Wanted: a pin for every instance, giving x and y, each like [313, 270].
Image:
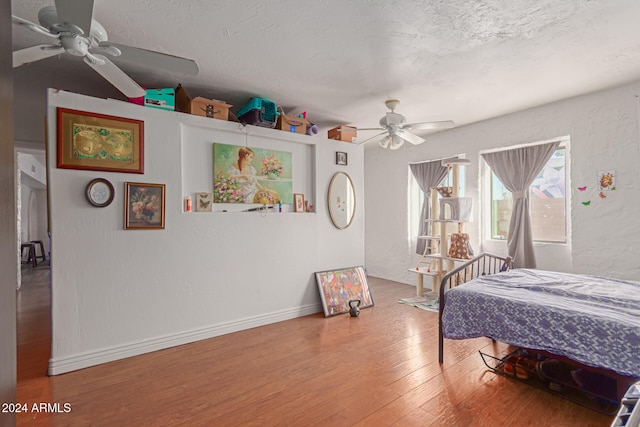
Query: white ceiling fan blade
[430, 125]
[156, 60]
[409, 137]
[116, 77]
[76, 12]
[373, 137]
[35, 53]
[363, 129]
[33, 27]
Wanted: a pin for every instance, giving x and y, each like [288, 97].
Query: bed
[590, 319]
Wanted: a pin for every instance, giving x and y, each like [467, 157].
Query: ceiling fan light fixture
[396, 142]
[384, 142]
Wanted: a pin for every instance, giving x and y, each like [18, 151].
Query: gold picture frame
[92, 141]
[298, 202]
[144, 206]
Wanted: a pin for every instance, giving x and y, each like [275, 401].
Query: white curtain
[517, 169]
[427, 175]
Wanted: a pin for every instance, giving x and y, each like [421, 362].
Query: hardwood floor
[379, 369]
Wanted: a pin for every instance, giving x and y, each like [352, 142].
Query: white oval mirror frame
[341, 200]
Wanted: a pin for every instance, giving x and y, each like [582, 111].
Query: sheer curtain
[517, 169]
[427, 175]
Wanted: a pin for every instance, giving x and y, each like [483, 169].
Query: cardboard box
[201, 106]
[164, 99]
[183, 101]
[209, 108]
[343, 133]
[292, 124]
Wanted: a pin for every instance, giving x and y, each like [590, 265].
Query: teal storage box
[259, 112]
[164, 99]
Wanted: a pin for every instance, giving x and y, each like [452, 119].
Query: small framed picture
[341, 158]
[298, 202]
[203, 202]
[144, 206]
[607, 180]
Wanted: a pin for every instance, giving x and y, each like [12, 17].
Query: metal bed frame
[481, 265]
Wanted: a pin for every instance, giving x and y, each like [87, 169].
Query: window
[416, 197]
[547, 202]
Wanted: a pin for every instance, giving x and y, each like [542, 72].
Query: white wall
[32, 183]
[118, 293]
[605, 236]
[31, 165]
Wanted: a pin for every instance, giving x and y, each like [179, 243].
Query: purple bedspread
[590, 319]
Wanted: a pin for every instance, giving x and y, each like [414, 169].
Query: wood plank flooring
[379, 369]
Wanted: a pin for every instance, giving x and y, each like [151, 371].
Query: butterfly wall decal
[582, 188]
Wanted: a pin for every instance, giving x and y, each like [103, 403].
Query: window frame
[415, 196]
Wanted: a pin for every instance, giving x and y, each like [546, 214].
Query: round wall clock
[99, 192]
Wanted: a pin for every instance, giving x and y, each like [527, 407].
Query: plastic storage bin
[259, 112]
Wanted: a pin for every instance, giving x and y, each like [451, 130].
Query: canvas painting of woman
[251, 175]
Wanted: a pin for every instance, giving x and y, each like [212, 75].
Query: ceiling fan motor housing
[75, 45]
[392, 119]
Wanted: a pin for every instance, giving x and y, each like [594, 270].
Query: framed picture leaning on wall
[298, 202]
[338, 287]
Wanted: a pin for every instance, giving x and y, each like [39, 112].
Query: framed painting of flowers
[144, 206]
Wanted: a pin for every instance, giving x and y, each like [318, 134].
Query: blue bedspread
[590, 319]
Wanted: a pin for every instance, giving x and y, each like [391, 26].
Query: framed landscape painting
[338, 287]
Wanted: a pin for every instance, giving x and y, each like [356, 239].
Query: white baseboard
[92, 358]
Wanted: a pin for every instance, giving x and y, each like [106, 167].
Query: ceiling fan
[397, 130]
[71, 23]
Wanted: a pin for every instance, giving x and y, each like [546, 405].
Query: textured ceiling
[461, 60]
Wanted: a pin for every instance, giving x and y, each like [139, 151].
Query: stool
[31, 254]
[42, 253]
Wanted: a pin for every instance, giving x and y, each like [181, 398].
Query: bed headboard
[481, 265]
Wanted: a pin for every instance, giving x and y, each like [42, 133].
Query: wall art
[204, 202]
[338, 287]
[298, 203]
[251, 175]
[144, 206]
[92, 141]
[607, 180]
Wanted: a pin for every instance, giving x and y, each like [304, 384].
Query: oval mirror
[341, 200]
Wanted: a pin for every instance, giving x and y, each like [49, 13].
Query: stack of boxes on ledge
[258, 112]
